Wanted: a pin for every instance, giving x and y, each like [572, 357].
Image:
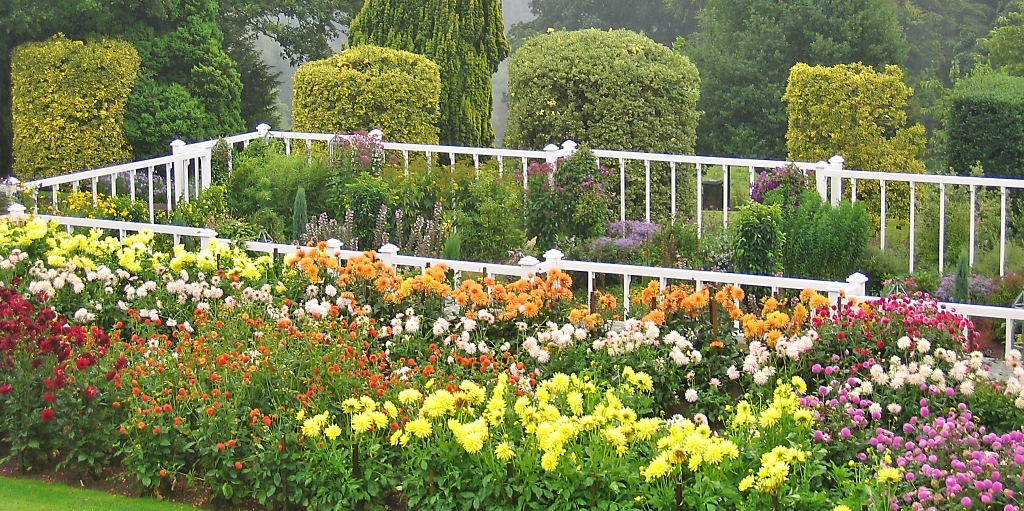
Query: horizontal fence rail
[853, 287]
[650, 186]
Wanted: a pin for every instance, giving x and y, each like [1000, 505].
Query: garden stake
[679, 496]
[508, 473]
[714, 321]
[430, 481]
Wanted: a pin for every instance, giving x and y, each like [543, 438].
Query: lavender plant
[323, 228]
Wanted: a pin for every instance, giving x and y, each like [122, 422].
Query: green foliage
[188, 88]
[746, 48]
[369, 87]
[264, 178]
[492, 202]
[758, 239]
[69, 105]
[986, 124]
[299, 214]
[466, 38]
[364, 197]
[823, 242]
[961, 290]
[880, 265]
[566, 202]
[662, 20]
[1005, 44]
[872, 134]
[620, 90]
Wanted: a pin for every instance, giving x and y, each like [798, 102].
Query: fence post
[263, 130]
[821, 179]
[387, 254]
[15, 212]
[180, 172]
[857, 284]
[569, 148]
[528, 265]
[551, 155]
[205, 237]
[553, 256]
[836, 164]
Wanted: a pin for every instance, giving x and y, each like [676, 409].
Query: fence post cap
[377, 133]
[553, 255]
[388, 249]
[551, 148]
[16, 210]
[821, 164]
[836, 160]
[570, 146]
[176, 145]
[857, 278]
[207, 233]
[529, 261]
[334, 244]
[263, 129]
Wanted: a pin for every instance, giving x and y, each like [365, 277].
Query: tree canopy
[746, 48]
[466, 38]
[661, 20]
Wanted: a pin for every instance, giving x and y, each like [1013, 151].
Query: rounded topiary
[607, 89]
[68, 103]
[369, 87]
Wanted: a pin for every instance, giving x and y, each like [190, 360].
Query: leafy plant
[759, 239]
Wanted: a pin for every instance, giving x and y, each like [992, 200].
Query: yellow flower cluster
[366, 416]
[242, 266]
[785, 403]
[81, 250]
[691, 444]
[23, 234]
[313, 426]
[774, 469]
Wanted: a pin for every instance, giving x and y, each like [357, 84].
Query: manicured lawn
[29, 495]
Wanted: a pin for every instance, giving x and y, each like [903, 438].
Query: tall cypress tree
[465, 38]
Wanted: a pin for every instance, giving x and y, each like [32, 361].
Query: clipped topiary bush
[69, 102]
[986, 124]
[608, 90]
[369, 87]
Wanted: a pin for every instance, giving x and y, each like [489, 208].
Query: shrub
[986, 124]
[759, 239]
[822, 242]
[68, 104]
[369, 87]
[265, 178]
[491, 222]
[364, 197]
[855, 111]
[608, 90]
[299, 214]
[569, 201]
[784, 185]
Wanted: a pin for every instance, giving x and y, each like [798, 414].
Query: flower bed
[318, 383]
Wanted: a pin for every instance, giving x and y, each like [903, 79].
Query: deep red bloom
[47, 415]
[91, 391]
[5, 389]
[49, 397]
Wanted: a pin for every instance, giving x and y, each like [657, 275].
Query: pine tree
[465, 38]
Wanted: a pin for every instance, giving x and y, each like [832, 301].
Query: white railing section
[188, 171]
[835, 175]
[853, 287]
[177, 177]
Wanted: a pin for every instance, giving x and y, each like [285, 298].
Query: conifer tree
[465, 38]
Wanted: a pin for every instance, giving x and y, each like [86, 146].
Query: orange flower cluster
[312, 261]
[772, 322]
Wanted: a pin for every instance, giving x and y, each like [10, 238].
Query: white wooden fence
[854, 286]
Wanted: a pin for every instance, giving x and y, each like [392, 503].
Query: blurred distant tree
[661, 20]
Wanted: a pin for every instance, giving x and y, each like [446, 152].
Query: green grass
[30, 495]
